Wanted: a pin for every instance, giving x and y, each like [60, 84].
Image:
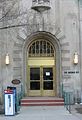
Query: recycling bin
[9, 102]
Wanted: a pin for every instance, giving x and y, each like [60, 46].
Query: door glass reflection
[34, 85]
[34, 73]
[48, 85]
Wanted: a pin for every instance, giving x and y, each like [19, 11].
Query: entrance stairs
[42, 101]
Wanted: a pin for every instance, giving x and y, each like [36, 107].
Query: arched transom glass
[41, 48]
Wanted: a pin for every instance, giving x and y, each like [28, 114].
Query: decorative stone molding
[41, 5]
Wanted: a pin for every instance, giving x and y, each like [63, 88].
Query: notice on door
[47, 73]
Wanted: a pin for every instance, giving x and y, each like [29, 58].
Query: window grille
[41, 48]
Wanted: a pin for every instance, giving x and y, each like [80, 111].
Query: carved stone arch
[55, 42]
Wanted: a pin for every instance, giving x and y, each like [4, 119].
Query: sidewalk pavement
[1, 109]
[43, 113]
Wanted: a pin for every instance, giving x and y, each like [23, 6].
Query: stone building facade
[42, 39]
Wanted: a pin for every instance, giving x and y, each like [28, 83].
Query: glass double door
[42, 81]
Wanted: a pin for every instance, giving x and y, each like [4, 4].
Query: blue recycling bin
[9, 102]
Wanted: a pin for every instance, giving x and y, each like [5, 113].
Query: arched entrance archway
[42, 61]
[41, 68]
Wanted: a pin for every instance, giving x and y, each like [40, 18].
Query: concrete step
[42, 101]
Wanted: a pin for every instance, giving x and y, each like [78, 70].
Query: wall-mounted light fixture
[7, 61]
[75, 59]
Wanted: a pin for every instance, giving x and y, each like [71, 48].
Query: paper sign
[47, 73]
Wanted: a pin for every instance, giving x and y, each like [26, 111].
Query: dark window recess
[34, 85]
[48, 85]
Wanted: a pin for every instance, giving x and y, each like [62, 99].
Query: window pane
[48, 85]
[40, 47]
[44, 46]
[48, 48]
[34, 73]
[33, 48]
[37, 47]
[34, 85]
[48, 73]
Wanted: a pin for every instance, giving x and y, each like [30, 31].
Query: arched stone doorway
[42, 65]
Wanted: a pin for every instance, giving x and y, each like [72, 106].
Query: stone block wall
[18, 21]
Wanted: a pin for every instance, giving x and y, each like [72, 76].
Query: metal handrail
[67, 101]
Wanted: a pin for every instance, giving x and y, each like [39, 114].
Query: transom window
[41, 48]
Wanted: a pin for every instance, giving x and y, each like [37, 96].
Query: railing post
[62, 91]
[69, 103]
